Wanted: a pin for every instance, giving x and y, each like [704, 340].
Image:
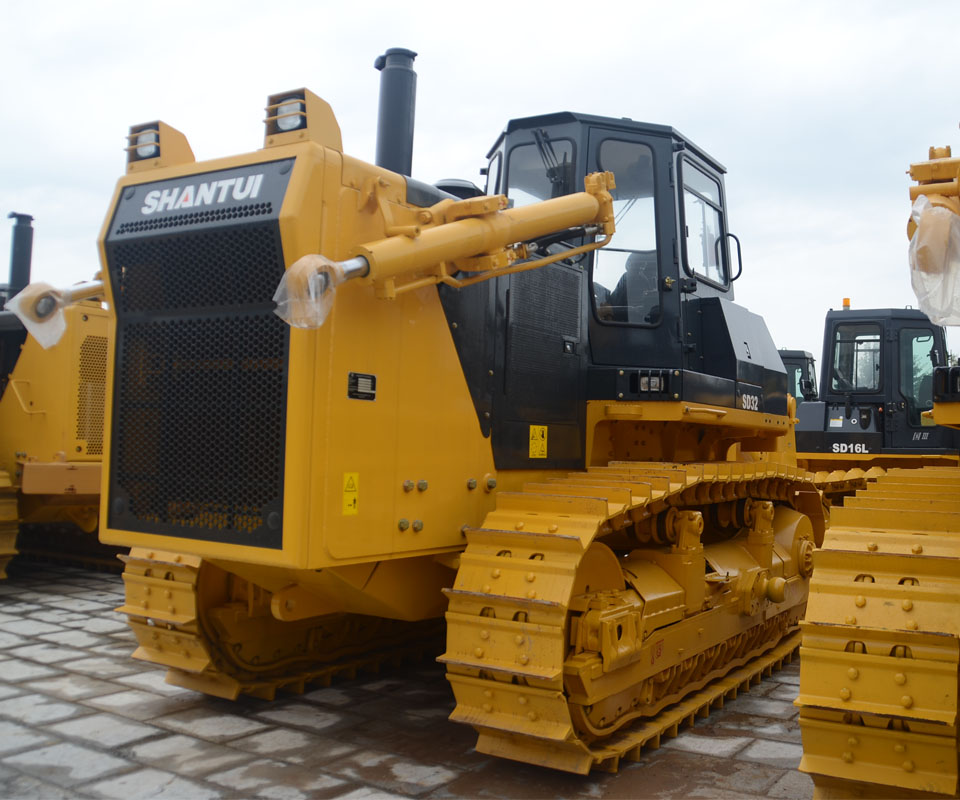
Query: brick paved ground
[80, 719]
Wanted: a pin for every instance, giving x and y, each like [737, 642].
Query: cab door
[634, 308]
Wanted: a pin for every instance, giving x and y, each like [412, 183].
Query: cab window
[625, 276]
[540, 170]
[856, 358]
[918, 356]
[703, 249]
[493, 174]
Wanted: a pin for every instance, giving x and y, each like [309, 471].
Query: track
[562, 653]
[881, 640]
[215, 633]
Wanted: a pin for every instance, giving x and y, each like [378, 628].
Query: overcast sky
[815, 108]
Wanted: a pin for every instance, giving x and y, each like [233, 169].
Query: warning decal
[351, 493]
[538, 441]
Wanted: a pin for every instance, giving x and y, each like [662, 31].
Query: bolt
[408, 486]
[472, 484]
[676, 396]
[519, 526]
[487, 693]
[900, 679]
[913, 625]
[906, 701]
[403, 524]
[553, 528]
[848, 757]
[532, 716]
[899, 748]
[908, 765]
[619, 395]
[478, 652]
[495, 573]
[907, 605]
[844, 693]
[484, 635]
[872, 546]
[854, 673]
[676, 372]
[486, 588]
[453, 325]
[417, 525]
[853, 741]
[522, 700]
[487, 707]
[490, 373]
[486, 415]
[421, 486]
[851, 620]
[518, 639]
[531, 577]
[491, 484]
[532, 595]
[524, 659]
[917, 549]
[861, 601]
[621, 373]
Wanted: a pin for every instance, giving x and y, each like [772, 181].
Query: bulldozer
[51, 425]
[801, 370]
[881, 638]
[344, 405]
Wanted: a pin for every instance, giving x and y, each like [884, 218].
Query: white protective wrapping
[935, 262]
[306, 291]
[48, 330]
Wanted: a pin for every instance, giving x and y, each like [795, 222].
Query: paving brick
[185, 755]
[776, 754]
[729, 719]
[391, 772]
[295, 747]
[137, 704]
[103, 667]
[330, 696]
[783, 691]
[151, 784]
[24, 787]
[98, 625]
[15, 670]
[20, 608]
[72, 687]
[114, 648]
[106, 730]
[279, 781]
[47, 653]
[8, 691]
[8, 617]
[302, 715]
[10, 640]
[66, 764]
[76, 604]
[73, 638]
[29, 627]
[368, 793]
[765, 707]
[720, 746]
[210, 725]
[15, 737]
[35, 709]
[57, 616]
[155, 681]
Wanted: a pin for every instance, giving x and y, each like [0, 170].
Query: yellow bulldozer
[881, 639]
[344, 404]
[51, 425]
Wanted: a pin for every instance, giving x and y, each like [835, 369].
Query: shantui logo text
[206, 194]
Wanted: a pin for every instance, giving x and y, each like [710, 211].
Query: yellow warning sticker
[538, 441]
[351, 493]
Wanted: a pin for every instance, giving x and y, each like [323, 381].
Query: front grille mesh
[200, 390]
[90, 393]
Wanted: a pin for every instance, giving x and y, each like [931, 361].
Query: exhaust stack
[398, 100]
[21, 252]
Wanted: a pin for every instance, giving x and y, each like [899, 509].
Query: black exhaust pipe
[398, 100]
[21, 252]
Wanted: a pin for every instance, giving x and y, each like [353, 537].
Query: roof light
[846, 303]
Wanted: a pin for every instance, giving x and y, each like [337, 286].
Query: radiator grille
[199, 418]
[91, 384]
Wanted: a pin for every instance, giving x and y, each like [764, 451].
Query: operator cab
[876, 381]
[650, 317]
[801, 374]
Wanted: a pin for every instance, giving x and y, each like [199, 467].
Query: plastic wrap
[307, 290]
[935, 262]
[40, 308]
